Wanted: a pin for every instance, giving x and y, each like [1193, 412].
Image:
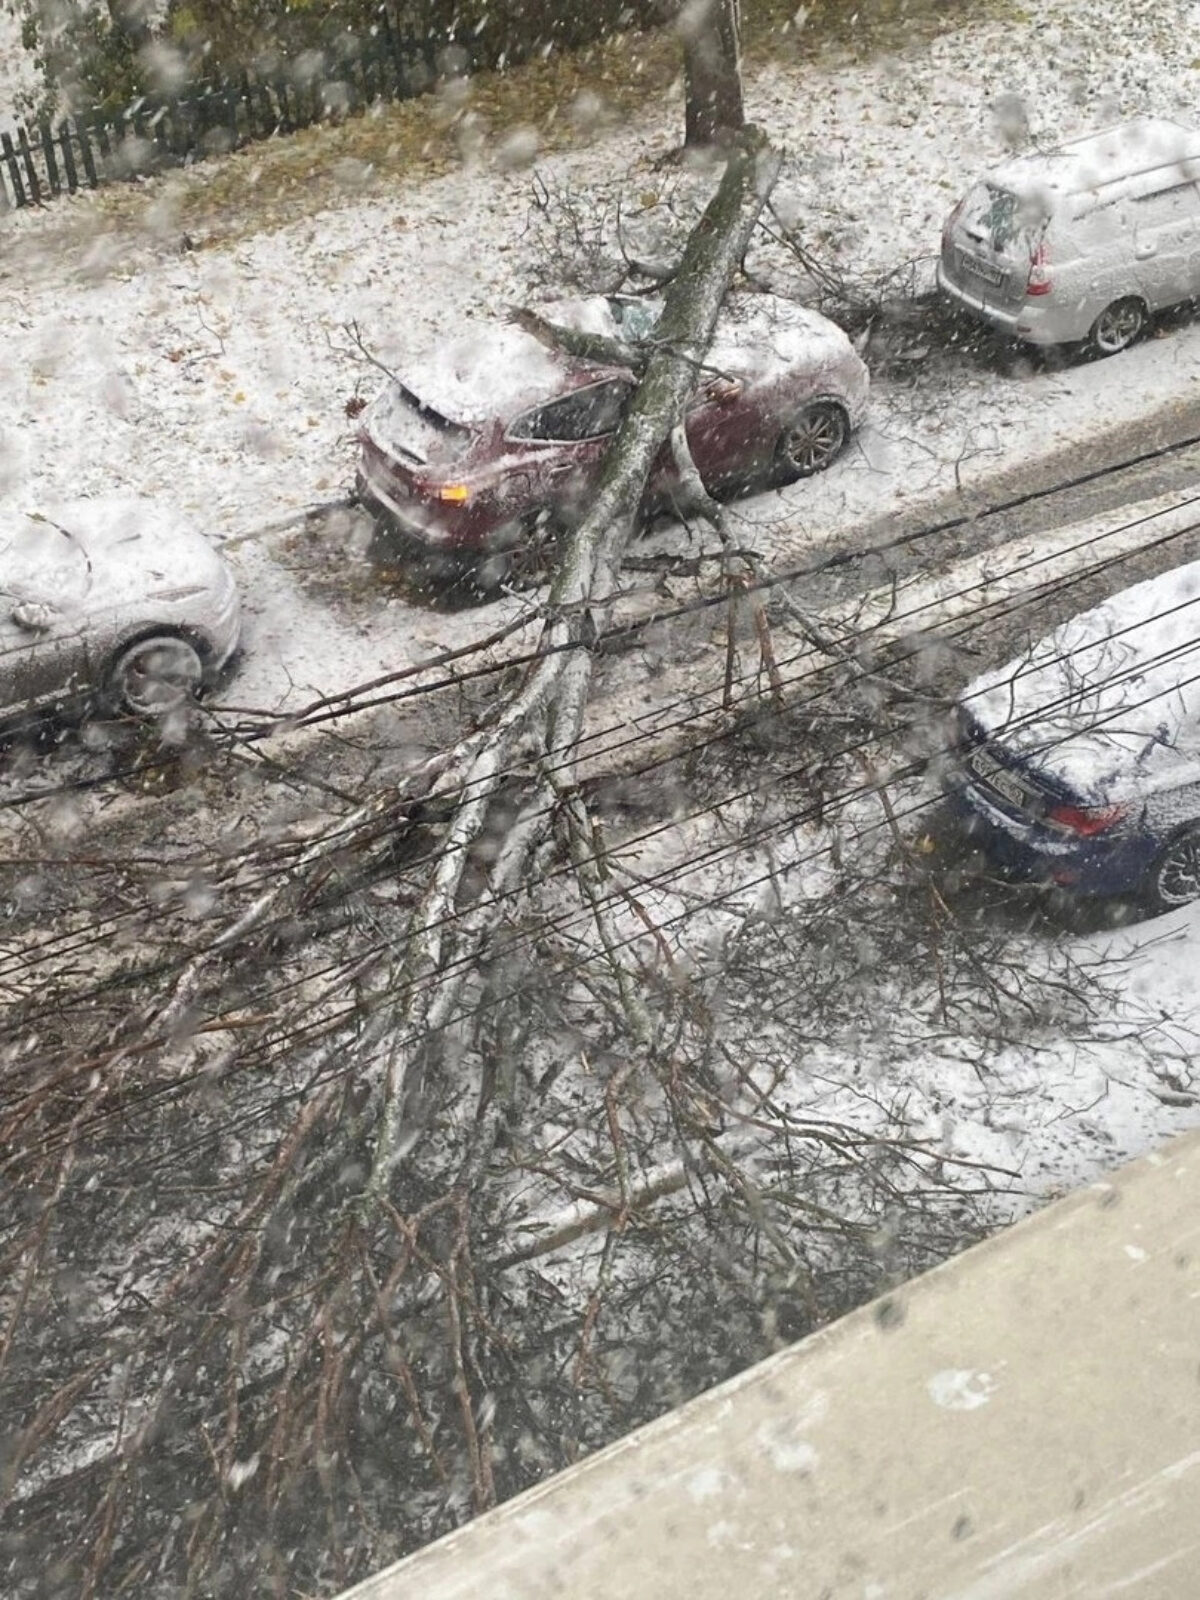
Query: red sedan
[497, 437]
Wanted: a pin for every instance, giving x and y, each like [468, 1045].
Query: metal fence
[42, 158]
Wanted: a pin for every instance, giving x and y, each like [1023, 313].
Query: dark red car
[498, 435]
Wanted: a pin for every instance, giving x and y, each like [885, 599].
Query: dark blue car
[1079, 763]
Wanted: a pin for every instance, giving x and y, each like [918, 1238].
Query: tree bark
[712, 72]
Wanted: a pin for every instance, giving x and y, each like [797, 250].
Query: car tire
[155, 676]
[1118, 326]
[814, 439]
[527, 562]
[1174, 879]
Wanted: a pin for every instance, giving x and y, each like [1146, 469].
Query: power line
[335, 707]
[814, 669]
[813, 811]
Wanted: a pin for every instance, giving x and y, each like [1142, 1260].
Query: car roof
[1102, 697]
[1109, 159]
[756, 334]
[492, 371]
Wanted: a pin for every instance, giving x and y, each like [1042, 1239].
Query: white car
[1084, 241]
[109, 604]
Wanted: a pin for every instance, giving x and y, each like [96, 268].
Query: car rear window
[635, 319]
[1002, 218]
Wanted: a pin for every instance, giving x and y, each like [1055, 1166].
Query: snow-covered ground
[217, 381]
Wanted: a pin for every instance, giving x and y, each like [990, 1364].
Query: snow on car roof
[755, 333]
[1110, 701]
[490, 371]
[759, 334]
[1108, 156]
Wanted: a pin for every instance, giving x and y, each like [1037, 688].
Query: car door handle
[1144, 251]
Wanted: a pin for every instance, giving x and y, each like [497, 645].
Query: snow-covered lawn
[217, 380]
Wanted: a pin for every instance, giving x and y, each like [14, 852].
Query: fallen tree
[547, 712]
[334, 1179]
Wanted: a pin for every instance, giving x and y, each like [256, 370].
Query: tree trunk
[712, 72]
[547, 712]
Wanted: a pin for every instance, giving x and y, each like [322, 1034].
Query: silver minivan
[1081, 242]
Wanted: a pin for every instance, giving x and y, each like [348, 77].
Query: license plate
[981, 269]
[994, 775]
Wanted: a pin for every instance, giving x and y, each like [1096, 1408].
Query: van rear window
[1001, 218]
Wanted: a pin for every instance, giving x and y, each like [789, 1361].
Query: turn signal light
[455, 494]
[1086, 820]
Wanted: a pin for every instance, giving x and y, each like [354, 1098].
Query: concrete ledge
[1022, 1422]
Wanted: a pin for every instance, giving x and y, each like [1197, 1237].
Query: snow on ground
[1099, 1080]
[217, 380]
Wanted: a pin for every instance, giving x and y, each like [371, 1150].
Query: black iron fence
[42, 158]
[401, 56]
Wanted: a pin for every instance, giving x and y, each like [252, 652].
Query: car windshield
[1002, 218]
[43, 561]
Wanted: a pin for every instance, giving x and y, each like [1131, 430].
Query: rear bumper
[1031, 321]
[1106, 864]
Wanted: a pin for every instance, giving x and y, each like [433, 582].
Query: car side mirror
[35, 616]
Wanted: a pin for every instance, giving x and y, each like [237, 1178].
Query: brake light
[1038, 281]
[1086, 820]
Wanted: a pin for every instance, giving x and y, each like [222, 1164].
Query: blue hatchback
[1079, 763]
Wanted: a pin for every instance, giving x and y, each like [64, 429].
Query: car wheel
[1175, 877]
[155, 676]
[1117, 326]
[816, 436]
[527, 562]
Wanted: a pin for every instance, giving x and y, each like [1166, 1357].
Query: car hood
[87, 554]
[1109, 704]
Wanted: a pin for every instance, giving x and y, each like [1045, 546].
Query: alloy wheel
[157, 676]
[814, 439]
[1177, 880]
[1118, 326]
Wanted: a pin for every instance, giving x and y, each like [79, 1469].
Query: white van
[1082, 242]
